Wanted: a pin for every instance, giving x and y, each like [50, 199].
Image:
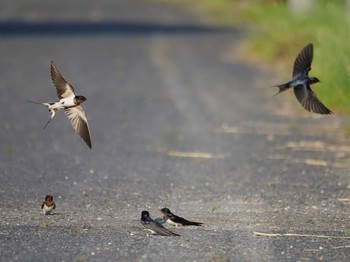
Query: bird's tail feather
[282, 88]
[52, 114]
[30, 101]
[39, 103]
[52, 111]
[47, 123]
[190, 223]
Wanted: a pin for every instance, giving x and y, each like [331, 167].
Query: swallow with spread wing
[70, 103]
[301, 83]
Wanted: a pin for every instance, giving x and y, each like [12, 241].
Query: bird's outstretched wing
[79, 122]
[302, 64]
[63, 88]
[308, 99]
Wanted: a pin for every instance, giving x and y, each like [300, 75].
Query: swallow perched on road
[174, 220]
[154, 226]
[70, 103]
[48, 205]
[301, 83]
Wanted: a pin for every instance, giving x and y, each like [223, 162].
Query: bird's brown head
[49, 198]
[166, 212]
[79, 99]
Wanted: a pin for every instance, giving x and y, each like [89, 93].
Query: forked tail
[52, 111]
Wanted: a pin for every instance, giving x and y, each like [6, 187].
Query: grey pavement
[175, 122]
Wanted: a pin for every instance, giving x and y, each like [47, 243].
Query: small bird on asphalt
[49, 205]
[174, 220]
[70, 103]
[153, 226]
[301, 83]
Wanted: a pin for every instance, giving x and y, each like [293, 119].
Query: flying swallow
[301, 83]
[70, 103]
[154, 226]
[174, 220]
[48, 205]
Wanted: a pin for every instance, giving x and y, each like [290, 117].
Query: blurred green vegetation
[281, 34]
[276, 34]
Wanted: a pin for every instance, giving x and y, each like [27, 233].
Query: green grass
[277, 35]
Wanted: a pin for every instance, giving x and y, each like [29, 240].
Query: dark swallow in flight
[49, 205]
[70, 103]
[174, 220]
[153, 226]
[301, 83]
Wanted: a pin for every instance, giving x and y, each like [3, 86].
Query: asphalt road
[175, 122]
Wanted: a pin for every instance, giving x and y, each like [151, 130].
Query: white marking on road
[196, 155]
[298, 235]
[309, 161]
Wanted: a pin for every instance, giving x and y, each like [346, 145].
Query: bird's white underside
[47, 210]
[172, 223]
